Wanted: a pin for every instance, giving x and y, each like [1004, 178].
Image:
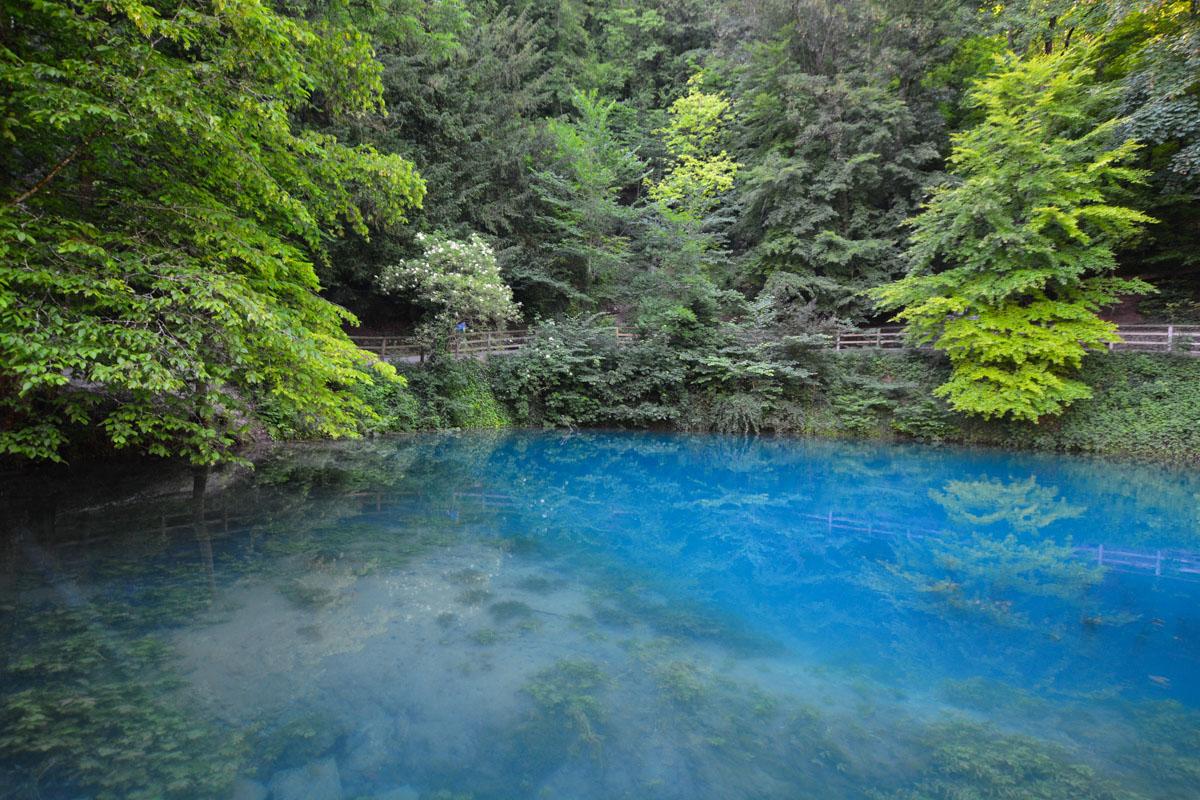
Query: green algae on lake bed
[682, 617]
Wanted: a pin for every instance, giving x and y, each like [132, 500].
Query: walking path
[1183, 339]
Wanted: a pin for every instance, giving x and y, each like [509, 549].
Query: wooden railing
[1159, 562]
[471, 344]
[1183, 339]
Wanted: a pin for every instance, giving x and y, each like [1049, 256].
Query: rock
[246, 789]
[318, 780]
[371, 747]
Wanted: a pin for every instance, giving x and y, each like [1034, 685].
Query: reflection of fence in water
[1162, 563]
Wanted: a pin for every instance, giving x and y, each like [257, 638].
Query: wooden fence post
[383, 348]
[1170, 336]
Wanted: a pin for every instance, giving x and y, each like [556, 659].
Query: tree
[579, 249]
[456, 282]
[160, 218]
[1009, 265]
[838, 164]
[465, 94]
[700, 170]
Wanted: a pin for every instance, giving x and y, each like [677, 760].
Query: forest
[201, 202]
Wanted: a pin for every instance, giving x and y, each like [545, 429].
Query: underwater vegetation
[474, 597]
[537, 584]
[626, 606]
[1165, 745]
[567, 708]
[716, 637]
[509, 610]
[968, 761]
[305, 596]
[101, 713]
[486, 637]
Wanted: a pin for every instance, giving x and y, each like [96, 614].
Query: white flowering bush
[455, 281]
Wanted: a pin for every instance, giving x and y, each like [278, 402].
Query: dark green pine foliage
[577, 252]
[839, 165]
[465, 94]
[1161, 101]
[839, 144]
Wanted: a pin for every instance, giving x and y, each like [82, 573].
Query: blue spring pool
[605, 615]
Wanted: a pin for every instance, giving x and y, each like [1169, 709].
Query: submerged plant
[968, 761]
[83, 708]
[509, 610]
[486, 637]
[682, 682]
[567, 704]
[474, 597]
[305, 596]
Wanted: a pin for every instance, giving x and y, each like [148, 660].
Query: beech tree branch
[57, 168]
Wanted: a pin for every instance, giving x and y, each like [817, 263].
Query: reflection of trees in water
[1002, 579]
[639, 513]
[1024, 505]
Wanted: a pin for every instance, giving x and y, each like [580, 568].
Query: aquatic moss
[474, 597]
[628, 607]
[302, 595]
[537, 584]
[82, 708]
[567, 703]
[735, 734]
[295, 739]
[509, 610]
[968, 761]
[1166, 747]
[683, 682]
[486, 637]
[467, 577]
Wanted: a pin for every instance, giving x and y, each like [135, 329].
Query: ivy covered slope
[163, 212]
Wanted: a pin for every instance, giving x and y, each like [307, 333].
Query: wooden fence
[1183, 339]
[471, 344]
[1158, 563]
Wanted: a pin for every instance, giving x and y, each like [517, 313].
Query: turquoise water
[547, 615]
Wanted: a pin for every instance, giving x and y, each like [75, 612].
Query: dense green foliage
[192, 196]
[162, 212]
[1143, 405]
[1011, 264]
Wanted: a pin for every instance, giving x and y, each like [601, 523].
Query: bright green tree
[1011, 262]
[161, 211]
[700, 170]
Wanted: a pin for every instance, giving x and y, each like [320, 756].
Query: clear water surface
[605, 615]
